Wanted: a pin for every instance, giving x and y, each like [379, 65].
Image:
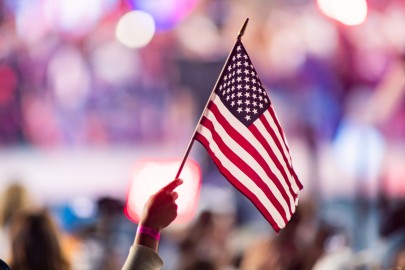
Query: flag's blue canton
[240, 88]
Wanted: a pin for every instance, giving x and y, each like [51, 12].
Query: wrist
[150, 224]
[146, 240]
[149, 231]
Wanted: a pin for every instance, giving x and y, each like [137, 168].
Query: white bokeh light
[70, 88]
[114, 63]
[75, 16]
[83, 207]
[348, 12]
[135, 29]
[151, 175]
[359, 149]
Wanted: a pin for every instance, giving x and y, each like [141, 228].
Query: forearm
[142, 258]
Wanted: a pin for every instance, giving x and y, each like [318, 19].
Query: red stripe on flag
[267, 146]
[273, 157]
[276, 140]
[245, 168]
[281, 132]
[245, 144]
[252, 197]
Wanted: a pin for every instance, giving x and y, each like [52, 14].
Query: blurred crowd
[338, 90]
[218, 238]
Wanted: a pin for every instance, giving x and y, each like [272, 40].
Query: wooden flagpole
[190, 144]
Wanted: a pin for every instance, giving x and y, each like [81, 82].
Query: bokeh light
[75, 16]
[203, 42]
[36, 18]
[166, 13]
[114, 64]
[8, 83]
[83, 207]
[135, 29]
[348, 12]
[30, 20]
[150, 176]
[70, 88]
[359, 149]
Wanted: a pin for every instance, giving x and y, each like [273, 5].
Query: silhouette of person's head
[3, 265]
[35, 243]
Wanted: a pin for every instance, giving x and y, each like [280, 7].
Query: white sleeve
[142, 258]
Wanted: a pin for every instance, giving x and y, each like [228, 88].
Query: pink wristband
[149, 231]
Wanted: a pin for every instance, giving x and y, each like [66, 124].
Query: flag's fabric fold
[243, 136]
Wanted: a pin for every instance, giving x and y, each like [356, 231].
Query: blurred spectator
[14, 200]
[297, 247]
[392, 228]
[394, 221]
[35, 243]
[3, 265]
[206, 242]
[201, 265]
[103, 244]
[107, 234]
[264, 254]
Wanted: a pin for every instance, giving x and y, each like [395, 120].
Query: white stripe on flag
[251, 162]
[242, 177]
[245, 132]
[283, 143]
[277, 151]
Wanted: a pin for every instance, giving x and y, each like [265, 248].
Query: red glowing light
[348, 12]
[149, 176]
[8, 83]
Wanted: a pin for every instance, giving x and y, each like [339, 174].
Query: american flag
[243, 136]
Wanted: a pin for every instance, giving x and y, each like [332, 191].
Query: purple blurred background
[90, 88]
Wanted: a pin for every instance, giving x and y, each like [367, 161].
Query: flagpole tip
[242, 30]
